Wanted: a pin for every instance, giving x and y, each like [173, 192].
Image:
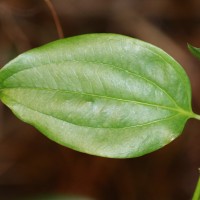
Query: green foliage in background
[103, 94]
[194, 50]
[196, 195]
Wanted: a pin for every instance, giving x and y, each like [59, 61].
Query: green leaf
[103, 94]
[194, 50]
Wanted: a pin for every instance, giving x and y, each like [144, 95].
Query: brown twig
[56, 18]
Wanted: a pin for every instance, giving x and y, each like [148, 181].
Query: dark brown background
[31, 164]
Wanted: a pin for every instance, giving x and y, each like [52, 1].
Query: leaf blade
[100, 88]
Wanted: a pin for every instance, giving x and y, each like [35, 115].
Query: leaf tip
[194, 50]
[189, 46]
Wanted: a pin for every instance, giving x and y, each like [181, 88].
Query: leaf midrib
[126, 127]
[176, 109]
[101, 63]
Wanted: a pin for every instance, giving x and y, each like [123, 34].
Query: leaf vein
[134, 126]
[107, 64]
[103, 96]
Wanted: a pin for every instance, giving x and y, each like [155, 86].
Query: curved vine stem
[196, 195]
[56, 18]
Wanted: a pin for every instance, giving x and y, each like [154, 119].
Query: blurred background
[31, 165]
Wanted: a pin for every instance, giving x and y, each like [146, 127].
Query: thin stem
[196, 195]
[56, 18]
[1, 120]
[197, 116]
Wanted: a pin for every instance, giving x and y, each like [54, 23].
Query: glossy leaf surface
[103, 94]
